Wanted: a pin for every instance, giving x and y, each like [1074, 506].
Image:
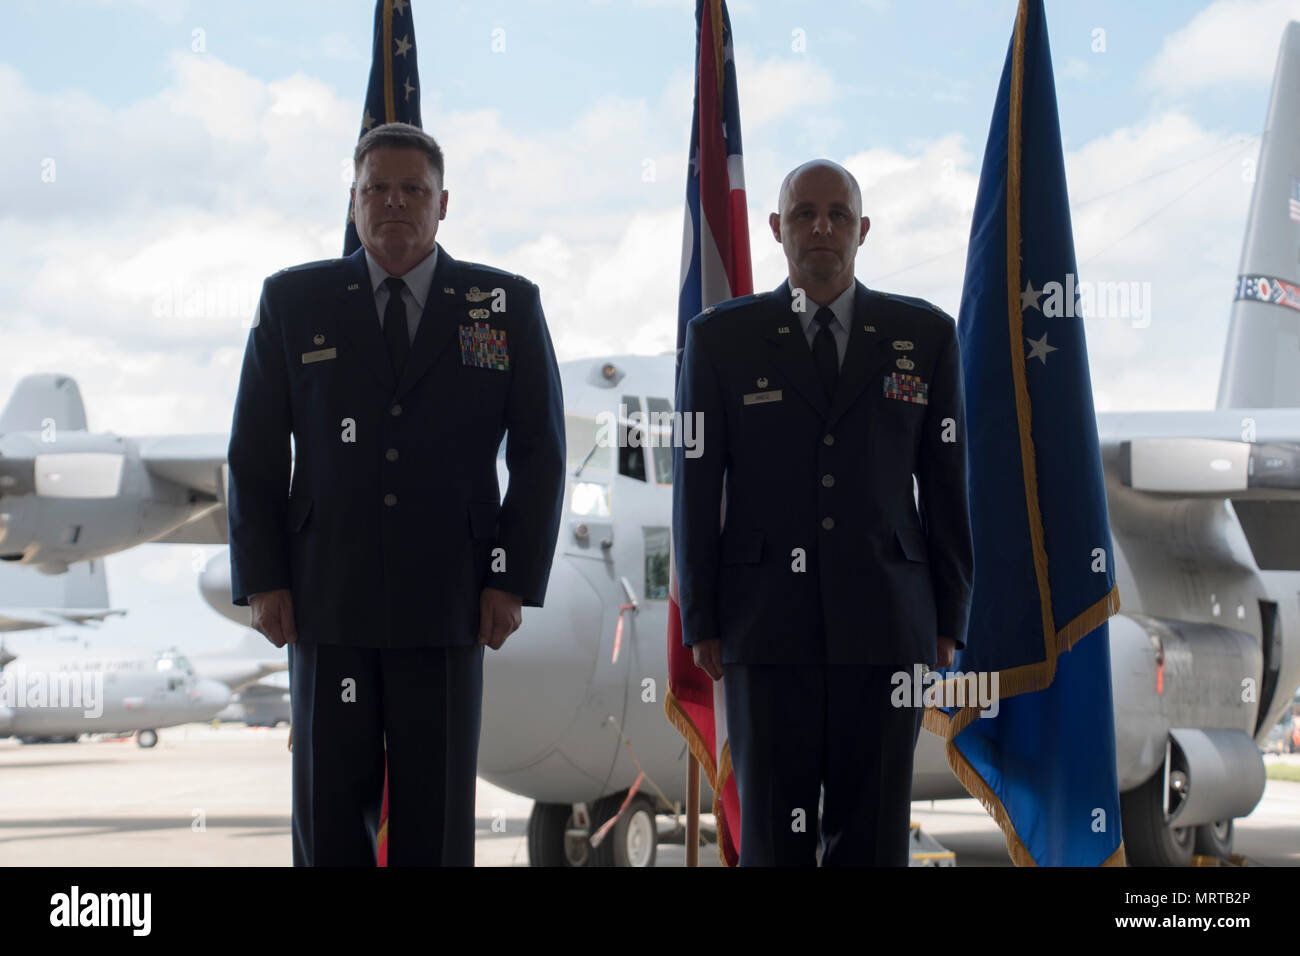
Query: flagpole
[692, 811]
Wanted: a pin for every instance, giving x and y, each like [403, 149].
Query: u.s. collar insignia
[353, 287]
[474, 295]
[868, 328]
[902, 345]
[905, 364]
[783, 330]
[479, 313]
[448, 290]
[761, 383]
[318, 339]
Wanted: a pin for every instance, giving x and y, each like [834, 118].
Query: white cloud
[1229, 42]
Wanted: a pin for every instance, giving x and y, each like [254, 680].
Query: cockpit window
[585, 441]
[631, 438]
[660, 422]
[656, 563]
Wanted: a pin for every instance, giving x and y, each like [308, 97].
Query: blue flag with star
[1042, 758]
[393, 93]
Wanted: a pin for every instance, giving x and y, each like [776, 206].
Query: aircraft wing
[1250, 457]
[197, 462]
[30, 618]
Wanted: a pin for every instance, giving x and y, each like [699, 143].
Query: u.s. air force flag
[1044, 766]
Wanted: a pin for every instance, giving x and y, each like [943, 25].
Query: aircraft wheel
[634, 839]
[549, 840]
[1215, 839]
[146, 738]
[1148, 840]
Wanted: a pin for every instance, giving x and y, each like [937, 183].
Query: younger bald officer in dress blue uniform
[390, 562]
[818, 404]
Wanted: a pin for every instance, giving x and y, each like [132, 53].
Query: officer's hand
[273, 616]
[708, 657]
[499, 616]
[947, 652]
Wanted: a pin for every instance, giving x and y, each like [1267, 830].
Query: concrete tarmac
[220, 797]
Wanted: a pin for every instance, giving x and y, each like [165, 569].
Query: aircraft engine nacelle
[1186, 699]
[214, 585]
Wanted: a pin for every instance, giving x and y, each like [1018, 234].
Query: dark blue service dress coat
[884, 572]
[393, 522]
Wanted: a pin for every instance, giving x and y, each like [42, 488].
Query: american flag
[715, 267]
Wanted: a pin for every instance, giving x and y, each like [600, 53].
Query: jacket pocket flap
[299, 509]
[913, 544]
[483, 518]
[742, 547]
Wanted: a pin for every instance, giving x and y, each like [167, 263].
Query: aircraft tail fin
[1261, 363]
[41, 397]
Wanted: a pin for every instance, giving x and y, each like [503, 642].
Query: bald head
[787, 184]
[820, 227]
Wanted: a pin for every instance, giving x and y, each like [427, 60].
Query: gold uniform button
[390, 499]
[828, 439]
[828, 480]
[828, 523]
[391, 454]
[396, 410]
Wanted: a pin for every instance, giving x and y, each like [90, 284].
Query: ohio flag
[715, 267]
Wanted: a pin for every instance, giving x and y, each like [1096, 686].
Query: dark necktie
[395, 332]
[825, 357]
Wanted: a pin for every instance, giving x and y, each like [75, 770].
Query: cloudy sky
[157, 147]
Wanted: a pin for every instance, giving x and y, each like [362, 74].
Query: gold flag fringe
[700, 750]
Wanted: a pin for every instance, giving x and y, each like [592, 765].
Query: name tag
[757, 398]
[320, 355]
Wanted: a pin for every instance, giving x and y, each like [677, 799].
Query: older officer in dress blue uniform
[390, 562]
[820, 402]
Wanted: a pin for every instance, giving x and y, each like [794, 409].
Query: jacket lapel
[437, 327]
[360, 326]
[868, 352]
[790, 348]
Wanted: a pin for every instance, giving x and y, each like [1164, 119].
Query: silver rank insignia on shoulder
[905, 364]
[902, 345]
[868, 328]
[761, 383]
[474, 295]
[318, 339]
[709, 310]
[353, 287]
[479, 313]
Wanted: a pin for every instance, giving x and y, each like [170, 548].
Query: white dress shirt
[843, 309]
[417, 279]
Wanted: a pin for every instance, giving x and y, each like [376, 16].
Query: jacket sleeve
[941, 480]
[258, 458]
[697, 490]
[535, 456]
